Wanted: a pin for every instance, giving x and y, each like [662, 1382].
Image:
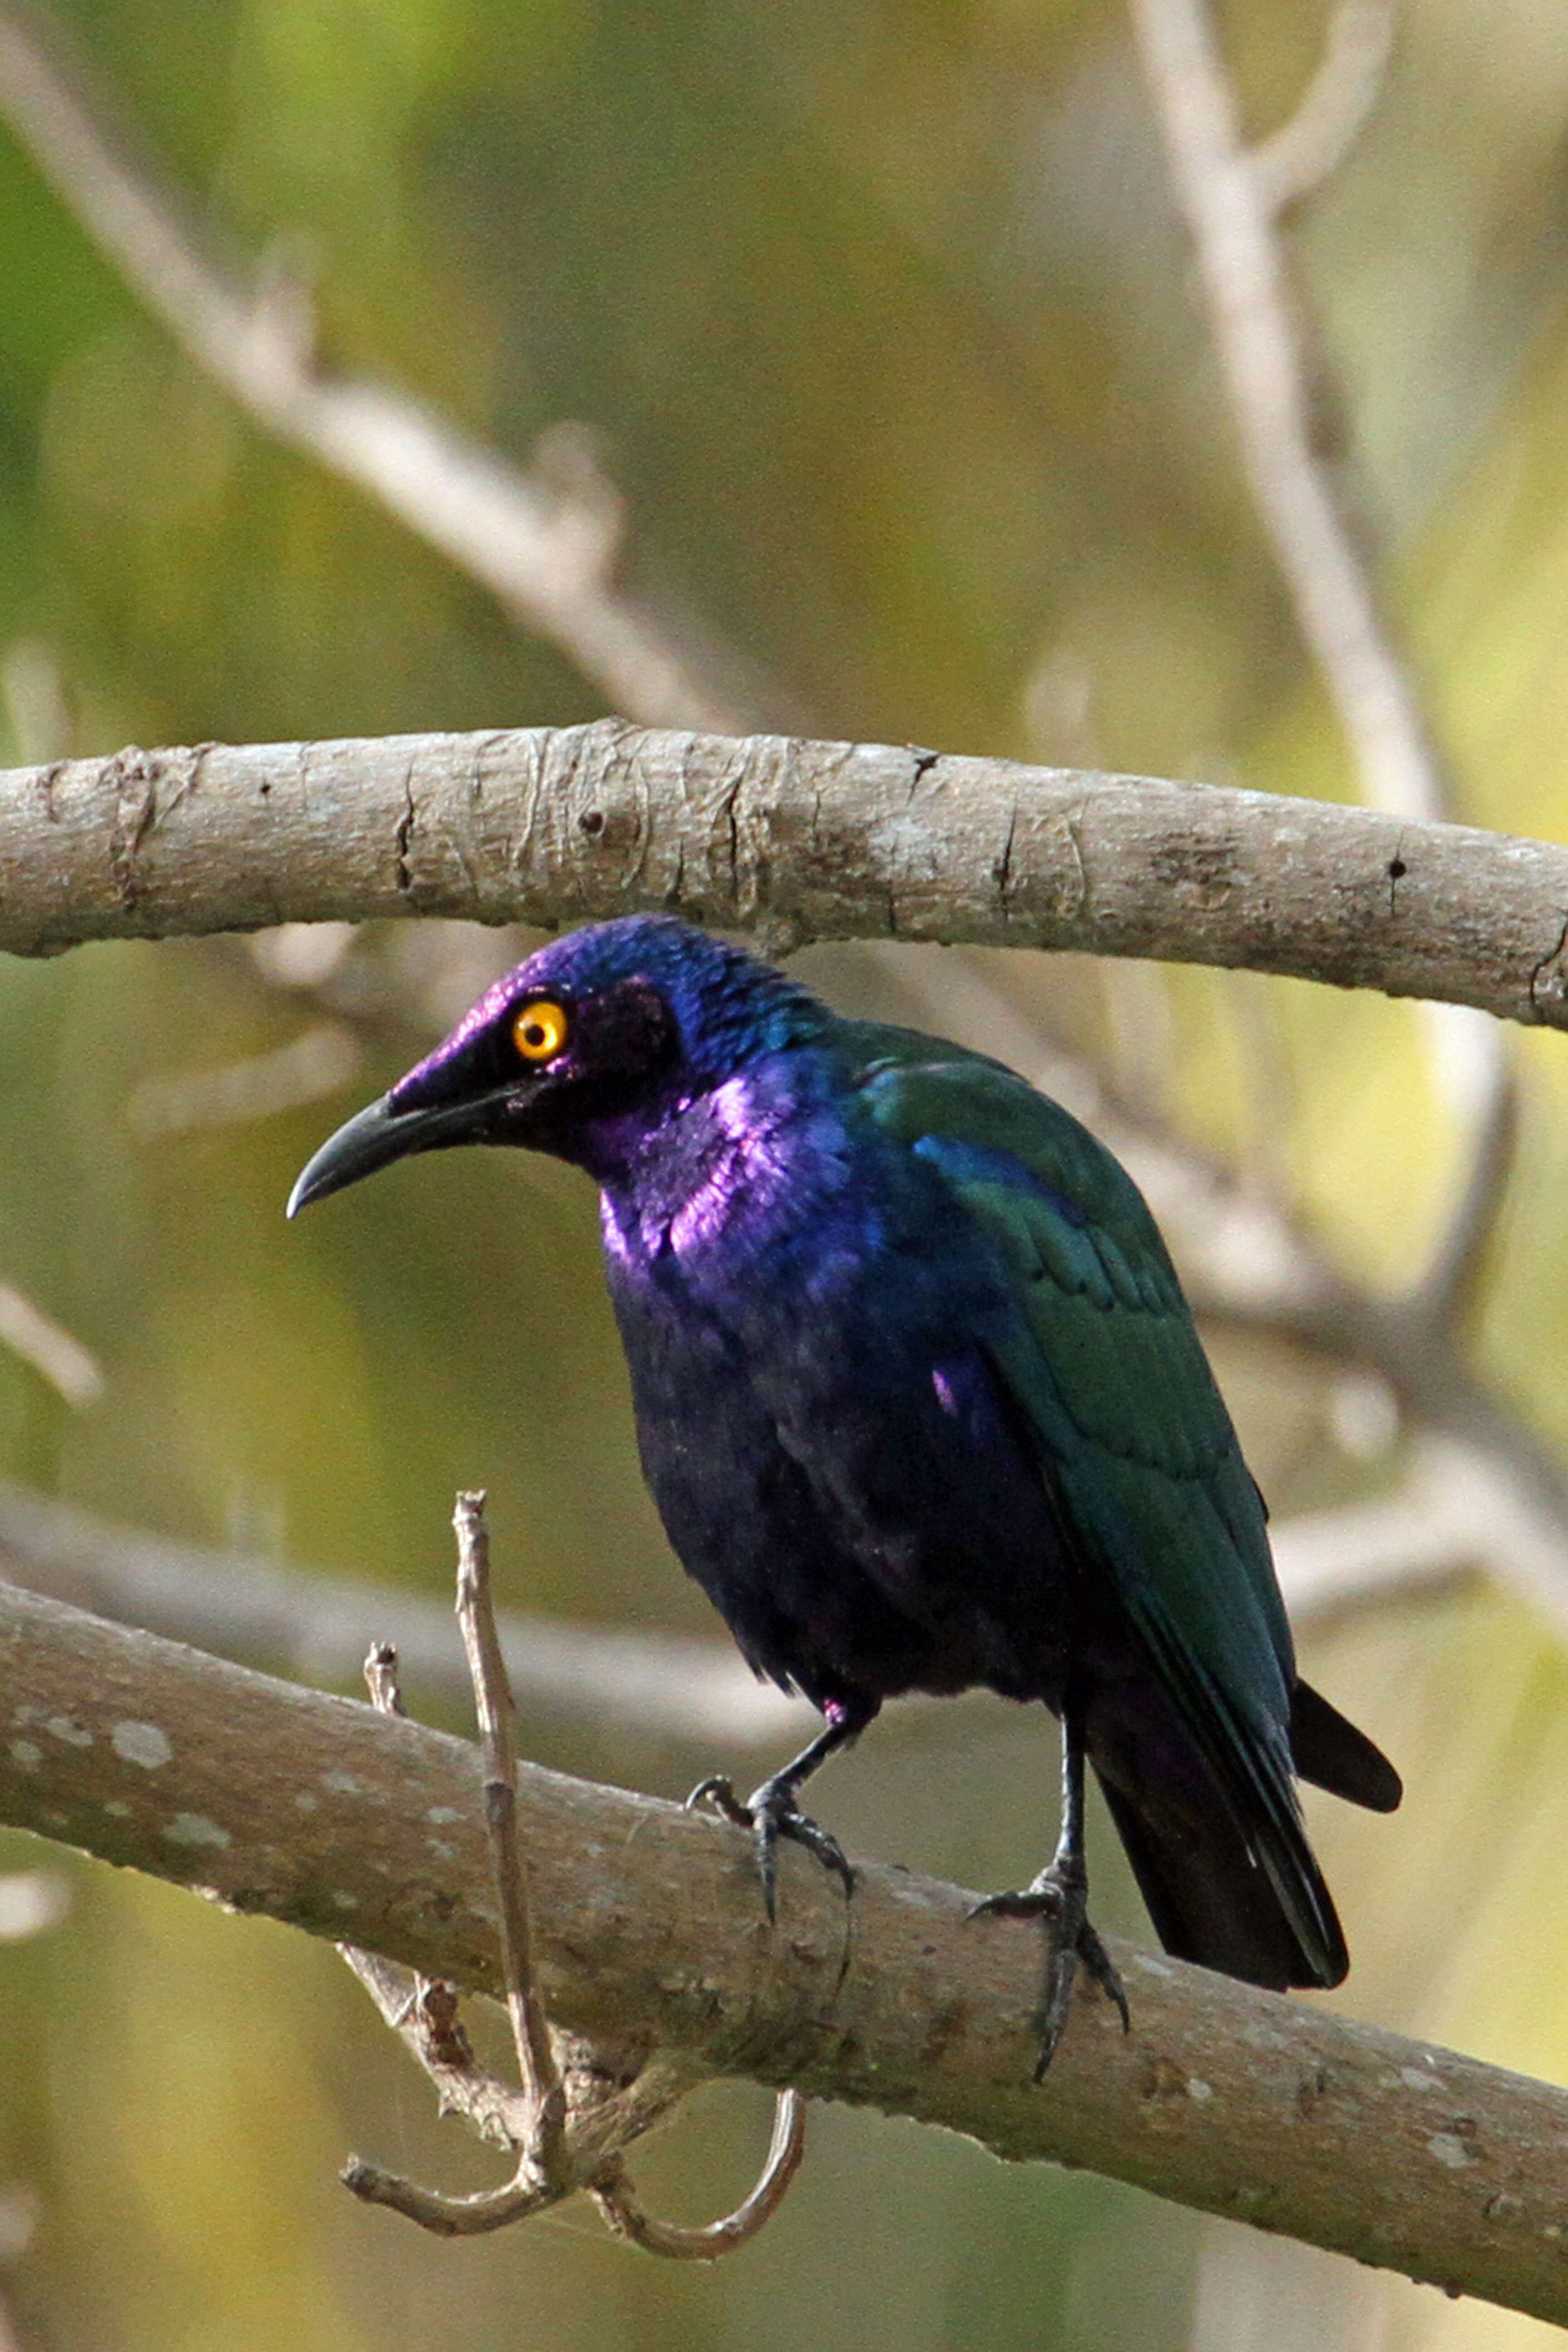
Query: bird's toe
[775, 1815]
[718, 1791]
[770, 1814]
[1040, 1901]
[1104, 1971]
[1060, 1899]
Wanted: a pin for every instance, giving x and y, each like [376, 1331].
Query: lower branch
[327, 1815]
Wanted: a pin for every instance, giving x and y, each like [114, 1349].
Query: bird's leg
[1059, 1895]
[771, 1813]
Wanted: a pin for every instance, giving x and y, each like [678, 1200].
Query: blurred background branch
[1229, 206]
[1488, 1480]
[315, 1626]
[1293, 162]
[69, 1368]
[545, 540]
[1447, 1519]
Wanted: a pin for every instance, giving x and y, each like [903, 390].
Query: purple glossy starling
[922, 1409]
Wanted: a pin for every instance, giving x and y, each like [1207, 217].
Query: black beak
[378, 1135]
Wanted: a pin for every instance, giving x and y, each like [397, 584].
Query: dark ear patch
[627, 1032]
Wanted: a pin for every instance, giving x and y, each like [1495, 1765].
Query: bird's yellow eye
[539, 1032]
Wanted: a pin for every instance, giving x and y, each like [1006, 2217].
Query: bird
[922, 1408]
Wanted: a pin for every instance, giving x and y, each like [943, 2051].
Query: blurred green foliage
[882, 312]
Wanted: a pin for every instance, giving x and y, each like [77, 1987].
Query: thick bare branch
[331, 1817]
[791, 839]
[544, 541]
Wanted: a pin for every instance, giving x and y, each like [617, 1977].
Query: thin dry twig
[72, 1370]
[569, 2125]
[537, 2130]
[544, 542]
[498, 1719]
[424, 2009]
[613, 2195]
[1310, 148]
[1242, 268]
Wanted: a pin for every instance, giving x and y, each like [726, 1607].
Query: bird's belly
[865, 1524]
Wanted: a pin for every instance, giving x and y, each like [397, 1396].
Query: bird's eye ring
[539, 1030]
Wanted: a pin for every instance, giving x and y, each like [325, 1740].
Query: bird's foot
[770, 1813]
[1060, 1897]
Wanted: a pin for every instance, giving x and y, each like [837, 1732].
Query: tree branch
[658, 1685]
[1228, 207]
[336, 1819]
[1230, 199]
[795, 840]
[1307, 149]
[544, 542]
[70, 1369]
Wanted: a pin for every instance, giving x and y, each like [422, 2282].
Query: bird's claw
[1061, 1899]
[718, 1791]
[770, 1814]
[784, 1818]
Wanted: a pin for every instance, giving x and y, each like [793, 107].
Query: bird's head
[599, 1035]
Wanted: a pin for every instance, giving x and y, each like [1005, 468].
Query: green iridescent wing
[1133, 1437]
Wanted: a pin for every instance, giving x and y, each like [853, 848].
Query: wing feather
[1134, 1437]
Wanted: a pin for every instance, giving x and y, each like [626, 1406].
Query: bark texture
[324, 1814]
[792, 840]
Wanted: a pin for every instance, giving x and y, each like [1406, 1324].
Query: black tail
[1333, 1755]
[1251, 1901]
[1213, 1899]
